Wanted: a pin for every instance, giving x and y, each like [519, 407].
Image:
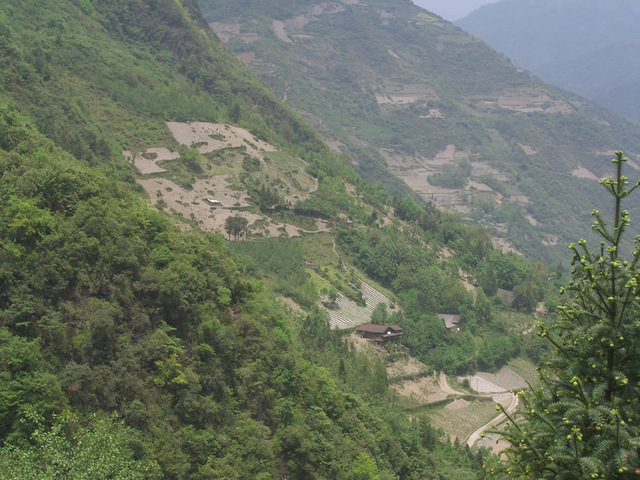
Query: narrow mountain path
[444, 386]
[499, 398]
[473, 438]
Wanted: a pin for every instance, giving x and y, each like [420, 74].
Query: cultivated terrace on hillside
[401, 90]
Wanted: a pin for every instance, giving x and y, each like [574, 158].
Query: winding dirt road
[444, 386]
[473, 438]
[511, 408]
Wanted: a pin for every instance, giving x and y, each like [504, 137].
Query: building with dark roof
[450, 321]
[380, 334]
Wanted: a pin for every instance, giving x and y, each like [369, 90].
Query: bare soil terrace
[229, 195]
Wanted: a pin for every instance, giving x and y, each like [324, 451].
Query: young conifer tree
[584, 422]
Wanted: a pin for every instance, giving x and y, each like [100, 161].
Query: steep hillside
[402, 91]
[160, 65]
[172, 236]
[590, 48]
[134, 344]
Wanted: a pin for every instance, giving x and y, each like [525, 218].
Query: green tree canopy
[235, 226]
[584, 422]
[101, 450]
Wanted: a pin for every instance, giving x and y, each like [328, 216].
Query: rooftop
[381, 329]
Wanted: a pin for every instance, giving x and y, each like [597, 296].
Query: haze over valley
[452, 10]
[590, 48]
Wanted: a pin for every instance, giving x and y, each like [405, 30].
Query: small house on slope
[450, 321]
[381, 334]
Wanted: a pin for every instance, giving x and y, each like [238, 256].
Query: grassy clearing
[526, 369]
[464, 421]
[319, 250]
[285, 173]
[513, 320]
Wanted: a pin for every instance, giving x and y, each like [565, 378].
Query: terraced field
[348, 314]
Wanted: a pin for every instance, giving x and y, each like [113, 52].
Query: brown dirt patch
[225, 31]
[147, 162]
[389, 99]
[527, 149]
[521, 102]
[191, 204]
[483, 168]
[279, 30]
[522, 199]
[214, 136]
[362, 345]
[505, 246]
[552, 241]
[466, 281]
[503, 381]
[416, 178]
[445, 253]
[480, 187]
[531, 220]
[424, 390]
[445, 157]
[405, 367]
[433, 113]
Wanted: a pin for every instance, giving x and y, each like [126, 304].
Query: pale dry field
[191, 204]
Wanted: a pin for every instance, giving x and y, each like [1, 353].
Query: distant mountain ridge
[449, 10]
[590, 48]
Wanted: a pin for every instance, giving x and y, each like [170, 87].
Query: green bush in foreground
[584, 421]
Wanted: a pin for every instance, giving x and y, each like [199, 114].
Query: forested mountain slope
[134, 344]
[139, 340]
[590, 48]
[401, 90]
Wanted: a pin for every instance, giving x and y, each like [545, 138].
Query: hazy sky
[452, 9]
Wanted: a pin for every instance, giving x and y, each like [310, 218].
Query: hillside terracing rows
[348, 314]
[218, 194]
